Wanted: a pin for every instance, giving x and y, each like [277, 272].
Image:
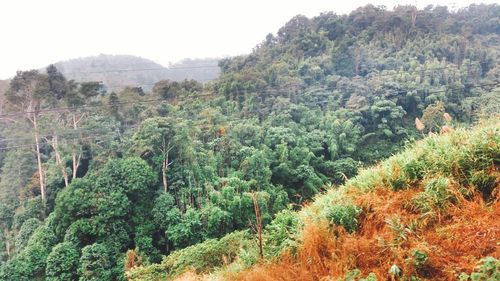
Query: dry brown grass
[469, 231]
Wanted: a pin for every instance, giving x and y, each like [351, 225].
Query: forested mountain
[119, 71]
[94, 183]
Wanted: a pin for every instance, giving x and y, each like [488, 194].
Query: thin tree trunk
[165, 164]
[413, 17]
[164, 175]
[59, 162]
[76, 158]
[258, 224]
[76, 162]
[39, 158]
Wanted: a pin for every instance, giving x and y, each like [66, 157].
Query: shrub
[488, 269]
[437, 196]
[419, 258]
[355, 275]
[344, 215]
[484, 183]
[201, 257]
[281, 233]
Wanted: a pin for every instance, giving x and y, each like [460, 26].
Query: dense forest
[94, 182]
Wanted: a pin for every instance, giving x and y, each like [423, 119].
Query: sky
[35, 33]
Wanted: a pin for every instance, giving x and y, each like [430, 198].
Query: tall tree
[27, 96]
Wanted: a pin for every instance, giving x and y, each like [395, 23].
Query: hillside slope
[185, 172]
[118, 71]
[377, 68]
[428, 213]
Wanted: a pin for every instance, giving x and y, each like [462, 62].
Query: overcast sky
[36, 33]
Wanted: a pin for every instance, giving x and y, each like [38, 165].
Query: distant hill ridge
[119, 71]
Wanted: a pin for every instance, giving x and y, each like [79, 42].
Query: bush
[344, 215]
[437, 196]
[484, 183]
[488, 269]
[419, 258]
[201, 257]
[281, 233]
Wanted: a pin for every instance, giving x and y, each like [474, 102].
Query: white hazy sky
[35, 33]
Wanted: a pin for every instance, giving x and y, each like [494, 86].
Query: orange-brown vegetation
[132, 260]
[390, 232]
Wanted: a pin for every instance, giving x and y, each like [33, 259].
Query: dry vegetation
[450, 246]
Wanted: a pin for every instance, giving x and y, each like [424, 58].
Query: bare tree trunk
[76, 162]
[164, 175]
[39, 158]
[413, 16]
[59, 162]
[76, 158]
[258, 224]
[165, 164]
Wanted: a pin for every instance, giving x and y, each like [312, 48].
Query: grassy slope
[429, 212]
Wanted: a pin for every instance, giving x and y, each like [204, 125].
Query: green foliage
[171, 90]
[165, 213]
[32, 208]
[437, 196]
[355, 275]
[488, 269]
[30, 263]
[344, 215]
[217, 220]
[419, 258]
[62, 262]
[426, 163]
[281, 234]
[27, 229]
[201, 257]
[38, 248]
[483, 182]
[95, 263]
[370, 277]
[340, 170]
[303, 111]
[188, 231]
[433, 116]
